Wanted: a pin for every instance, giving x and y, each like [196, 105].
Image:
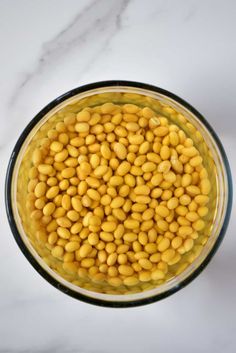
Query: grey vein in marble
[100, 20]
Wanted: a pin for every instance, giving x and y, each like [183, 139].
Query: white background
[51, 46]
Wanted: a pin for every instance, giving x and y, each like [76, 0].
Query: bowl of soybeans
[118, 193]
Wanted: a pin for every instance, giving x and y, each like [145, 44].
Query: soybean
[118, 194]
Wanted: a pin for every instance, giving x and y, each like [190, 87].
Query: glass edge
[22, 246]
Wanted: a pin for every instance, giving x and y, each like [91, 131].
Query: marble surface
[51, 46]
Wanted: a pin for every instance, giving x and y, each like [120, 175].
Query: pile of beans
[119, 194]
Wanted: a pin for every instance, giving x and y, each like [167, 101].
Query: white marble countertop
[51, 46]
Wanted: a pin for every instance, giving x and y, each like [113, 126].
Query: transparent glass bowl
[184, 115]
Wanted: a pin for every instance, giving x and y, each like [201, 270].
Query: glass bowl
[182, 114]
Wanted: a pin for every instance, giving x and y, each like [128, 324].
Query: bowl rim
[23, 247]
